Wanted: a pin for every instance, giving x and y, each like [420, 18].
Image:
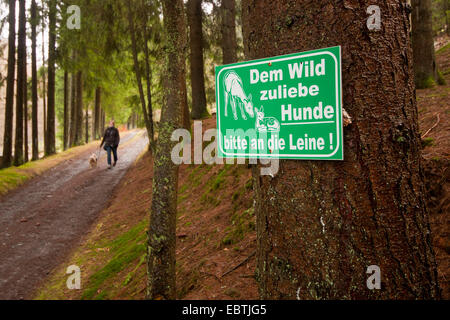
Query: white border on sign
[280, 156]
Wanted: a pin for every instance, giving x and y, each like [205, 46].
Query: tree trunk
[34, 84]
[148, 72]
[229, 45]
[98, 101]
[161, 235]
[320, 224]
[66, 110]
[9, 105]
[25, 108]
[79, 109]
[195, 13]
[21, 62]
[50, 148]
[73, 110]
[86, 131]
[44, 89]
[137, 70]
[425, 68]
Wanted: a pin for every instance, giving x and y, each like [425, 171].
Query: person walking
[111, 139]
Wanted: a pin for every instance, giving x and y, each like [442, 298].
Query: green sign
[286, 107]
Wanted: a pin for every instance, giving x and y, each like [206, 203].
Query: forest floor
[216, 237]
[43, 220]
[434, 114]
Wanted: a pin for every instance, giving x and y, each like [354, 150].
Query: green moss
[240, 225]
[443, 49]
[441, 79]
[126, 249]
[427, 142]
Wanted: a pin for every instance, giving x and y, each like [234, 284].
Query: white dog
[93, 160]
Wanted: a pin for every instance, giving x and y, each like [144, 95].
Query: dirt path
[41, 221]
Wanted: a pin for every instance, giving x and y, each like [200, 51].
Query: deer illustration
[235, 95]
[264, 124]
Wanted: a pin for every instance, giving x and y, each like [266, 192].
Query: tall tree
[425, 68]
[25, 108]
[44, 87]
[73, 109]
[9, 106]
[195, 14]
[34, 84]
[229, 44]
[50, 148]
[79, 109]
[98, 100]
[20, 94]
[320, 224]
[148, 73]
[66, 110]
[161, 235]
[137, 70]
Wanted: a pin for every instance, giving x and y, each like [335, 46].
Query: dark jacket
[111, 137]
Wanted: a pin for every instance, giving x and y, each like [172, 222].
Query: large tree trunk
[9, 105]
[79, 109]
[194, 14]
[425, 68]
[161, 235]
[228, 17]
[34, 85]
[320, 224]
[66, 110]
[50, 148]
[86, 123]
[20, 95]
[73, 110]
[137, 70]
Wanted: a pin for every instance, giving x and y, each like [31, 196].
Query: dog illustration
[235, 95]
[264, 124]
[93, 160]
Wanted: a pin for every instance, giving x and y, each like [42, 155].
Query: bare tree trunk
[34, 85]
[79, 109]
[320, 224]
[148, 72]
[9, 105]
[161, 235]
[195, 14]
[425, 68]
[73, 110]
[137, 70]
[44, 89]
[50, 148]
[86, 131]
[25, 108]
[229, 44]
[21, 62]
[66, 110]
[98, 101]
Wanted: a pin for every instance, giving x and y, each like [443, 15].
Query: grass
[240, 225]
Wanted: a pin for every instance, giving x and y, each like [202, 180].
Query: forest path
[41, 221]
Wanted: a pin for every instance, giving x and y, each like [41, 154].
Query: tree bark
[86, 131]
[161, 235]
[44, 89]
[425, 68]
[148, 72]
[320, 224]
[73, 109]
[21, 62]
[66, 110]
[25, 107]
[229, 44]
[9, 105]
[34, 85]
[137, 70]
[194, 14]
[79, 109]
[50, 148]
[98, 101]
